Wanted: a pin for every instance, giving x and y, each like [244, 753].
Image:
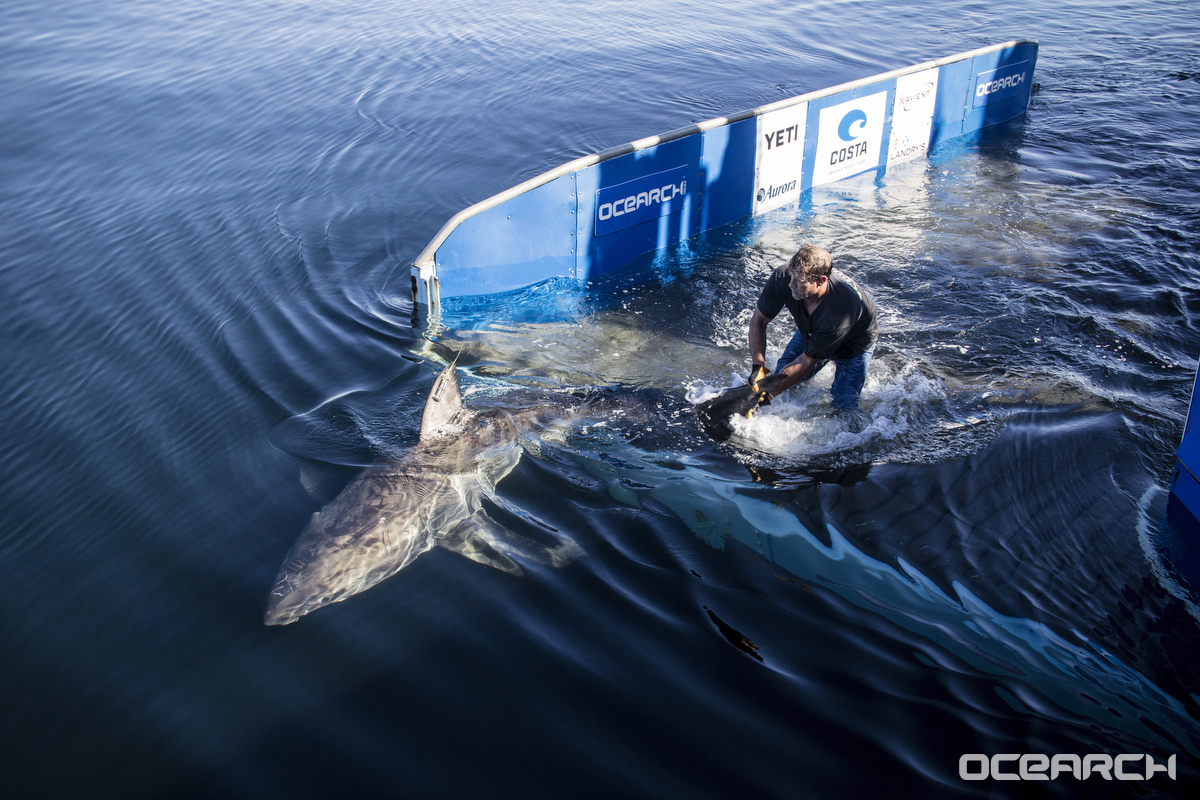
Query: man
[835, 321]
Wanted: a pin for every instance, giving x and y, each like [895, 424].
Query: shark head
[368, 533]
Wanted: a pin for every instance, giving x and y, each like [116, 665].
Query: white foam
[803, 423]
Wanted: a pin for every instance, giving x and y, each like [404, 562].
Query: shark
[432, 496]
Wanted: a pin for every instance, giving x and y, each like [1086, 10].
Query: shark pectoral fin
[566, 552]
[474, 538]
[560, 555]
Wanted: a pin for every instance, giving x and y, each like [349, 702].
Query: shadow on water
[1044, 524]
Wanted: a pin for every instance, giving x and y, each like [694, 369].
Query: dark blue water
[208, 211]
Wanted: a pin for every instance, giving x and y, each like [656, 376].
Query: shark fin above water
[444, 410]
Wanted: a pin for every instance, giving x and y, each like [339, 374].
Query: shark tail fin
[740, 401]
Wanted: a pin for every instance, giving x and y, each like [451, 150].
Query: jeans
[848, 380]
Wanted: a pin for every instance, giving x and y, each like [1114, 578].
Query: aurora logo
[771, 192]
[853, 117]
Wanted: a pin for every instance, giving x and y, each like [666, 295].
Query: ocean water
[208, 210]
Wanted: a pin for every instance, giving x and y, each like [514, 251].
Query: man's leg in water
[848, 382]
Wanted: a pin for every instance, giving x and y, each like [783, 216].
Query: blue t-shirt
[841, 326]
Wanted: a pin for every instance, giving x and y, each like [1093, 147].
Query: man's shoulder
[837, 277]
[775, 293]
[777, 283]
[846, 286]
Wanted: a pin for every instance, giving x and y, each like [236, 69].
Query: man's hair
[812, 261]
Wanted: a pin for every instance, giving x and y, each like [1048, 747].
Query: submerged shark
[433, 495]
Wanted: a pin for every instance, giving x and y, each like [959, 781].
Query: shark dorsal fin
[444, 406]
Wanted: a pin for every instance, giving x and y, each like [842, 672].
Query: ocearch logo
[1000, 84]
[1041, 767]
[643, 199]
[1010, 82]
[631, 203]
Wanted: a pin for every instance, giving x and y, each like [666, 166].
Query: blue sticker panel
[1189, 449]
[1000, 84]
[727, 164]
[605, 244]
[1186, 490]
[641, 200]
[954, 85]
[522, 241]
[988, 103]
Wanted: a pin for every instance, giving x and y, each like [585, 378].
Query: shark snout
[282, 608]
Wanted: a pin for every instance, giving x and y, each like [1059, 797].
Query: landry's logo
[1001, 84]
[640, 200]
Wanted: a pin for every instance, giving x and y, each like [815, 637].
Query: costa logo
[849, 135]
[845, 154]
[852, 125]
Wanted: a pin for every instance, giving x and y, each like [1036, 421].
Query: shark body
[433, 496]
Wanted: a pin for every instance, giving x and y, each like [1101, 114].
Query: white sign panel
[912, 115]
[848, 138]
[779, 157]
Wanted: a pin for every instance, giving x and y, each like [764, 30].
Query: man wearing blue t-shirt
[835, 321]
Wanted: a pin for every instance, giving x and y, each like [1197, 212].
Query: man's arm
[793, 373]
[758, 337]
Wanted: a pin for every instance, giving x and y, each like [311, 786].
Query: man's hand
[762, 392]
[757, 373]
